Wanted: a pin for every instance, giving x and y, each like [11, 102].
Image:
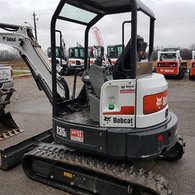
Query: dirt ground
[32, 111]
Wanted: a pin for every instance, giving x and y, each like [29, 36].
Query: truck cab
[75, 59]
[6, 78]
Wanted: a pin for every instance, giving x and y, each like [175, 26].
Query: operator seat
[97, 79]
[97, 76]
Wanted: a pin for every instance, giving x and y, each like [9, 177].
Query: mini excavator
[120, 115]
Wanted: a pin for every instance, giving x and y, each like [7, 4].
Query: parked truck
[68, 64]
[75, 59]
[170, 63]
[8, 127]
[6, 78]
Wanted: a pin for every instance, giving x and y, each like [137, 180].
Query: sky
[174, 22]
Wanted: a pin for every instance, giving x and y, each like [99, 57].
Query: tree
[192, 46]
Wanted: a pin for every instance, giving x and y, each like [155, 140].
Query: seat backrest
[124, 58]
[96, 78]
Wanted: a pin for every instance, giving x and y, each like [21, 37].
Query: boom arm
[24, 42]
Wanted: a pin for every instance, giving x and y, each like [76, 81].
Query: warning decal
[76, 135]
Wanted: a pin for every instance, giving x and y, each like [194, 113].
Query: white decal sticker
[61, 131]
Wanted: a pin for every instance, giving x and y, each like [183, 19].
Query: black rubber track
[145, 182]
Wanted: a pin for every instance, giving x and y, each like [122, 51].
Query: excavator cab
[113, 52]
[76, 52]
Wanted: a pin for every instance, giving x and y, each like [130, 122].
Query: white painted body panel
[156, 83]
[112, 93]
[120, 93]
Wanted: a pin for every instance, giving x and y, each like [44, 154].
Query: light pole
[35, 25]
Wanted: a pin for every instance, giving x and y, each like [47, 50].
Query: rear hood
[167, 63]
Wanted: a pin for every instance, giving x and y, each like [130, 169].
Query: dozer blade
[11, 156]
[8, 127]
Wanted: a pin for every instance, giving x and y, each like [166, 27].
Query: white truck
[6, 78]
[8, 127]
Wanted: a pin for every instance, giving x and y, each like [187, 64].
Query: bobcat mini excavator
[120, 115]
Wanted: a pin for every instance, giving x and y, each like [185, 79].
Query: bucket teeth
[10, 133]
[15, 132]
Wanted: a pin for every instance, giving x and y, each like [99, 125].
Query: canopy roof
[104, 7]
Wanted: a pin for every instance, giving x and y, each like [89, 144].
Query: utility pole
[35, 24]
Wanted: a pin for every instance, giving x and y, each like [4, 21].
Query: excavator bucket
[8, 127]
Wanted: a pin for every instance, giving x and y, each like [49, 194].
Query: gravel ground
[180, 175]
[25, 89]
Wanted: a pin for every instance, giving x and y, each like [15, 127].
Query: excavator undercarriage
[79, 173]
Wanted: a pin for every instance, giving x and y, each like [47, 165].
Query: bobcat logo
[107, 119]
[159, 102]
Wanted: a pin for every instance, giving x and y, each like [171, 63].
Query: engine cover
[133, 103]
